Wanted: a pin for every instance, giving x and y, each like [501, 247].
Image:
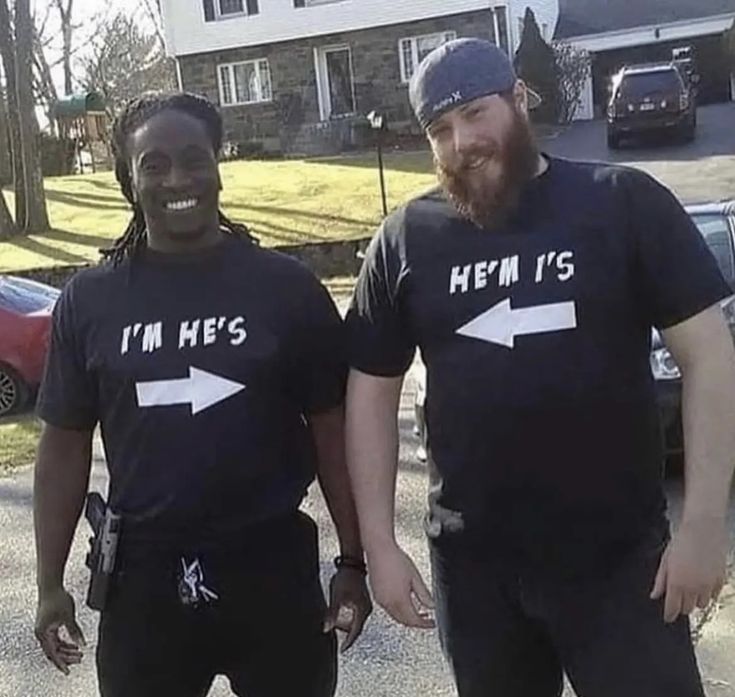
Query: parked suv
[654, 97]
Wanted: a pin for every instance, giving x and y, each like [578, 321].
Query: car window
[643, 84]
[716, 231]
[25, 297]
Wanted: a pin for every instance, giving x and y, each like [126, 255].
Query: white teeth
[182, 205]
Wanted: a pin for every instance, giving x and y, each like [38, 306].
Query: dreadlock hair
[136, 113]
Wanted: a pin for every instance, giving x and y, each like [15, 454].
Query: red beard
[489, 204]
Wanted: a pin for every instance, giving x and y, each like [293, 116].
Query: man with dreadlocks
[215, 370]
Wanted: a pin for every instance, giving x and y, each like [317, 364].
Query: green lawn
[18, 440]
[284, 202]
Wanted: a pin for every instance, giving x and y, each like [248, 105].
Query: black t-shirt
[542, 423]
[200, 370]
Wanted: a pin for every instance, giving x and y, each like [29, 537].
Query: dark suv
[648, 98]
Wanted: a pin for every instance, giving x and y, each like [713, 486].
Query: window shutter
[209, 15]
[299, 3]
[253, 8]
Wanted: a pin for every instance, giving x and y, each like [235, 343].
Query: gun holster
[106, 526]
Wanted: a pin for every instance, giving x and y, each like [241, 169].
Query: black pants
[264, 630]
[513, 635]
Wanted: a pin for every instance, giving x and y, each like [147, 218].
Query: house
[617, 32]
[300, 75]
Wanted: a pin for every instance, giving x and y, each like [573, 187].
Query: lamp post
[379, 123]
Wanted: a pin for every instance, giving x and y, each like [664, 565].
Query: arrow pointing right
[501, 324]
[201, 390]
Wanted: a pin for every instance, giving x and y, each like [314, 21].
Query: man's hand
[693, 569]
[399, 589]
[349, 605]
[56, 610]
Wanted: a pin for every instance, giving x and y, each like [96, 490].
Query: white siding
[278, 20]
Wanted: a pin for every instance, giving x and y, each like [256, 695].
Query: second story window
[231, 7]
[414, 49]
[248, 82]
[224, 9]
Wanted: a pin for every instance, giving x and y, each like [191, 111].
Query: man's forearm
[372, 454]
[329, 437]
[60, 485]
[708, 414]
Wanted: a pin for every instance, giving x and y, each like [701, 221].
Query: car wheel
[613, 141]
[13, 392]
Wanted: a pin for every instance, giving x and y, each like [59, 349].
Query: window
[245, 83]
[637, 86]
[25, 297]
[313, 3]
[224, 9]
[716, 232]
[413, 50]
[230, 7]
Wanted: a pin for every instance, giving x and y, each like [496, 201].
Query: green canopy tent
[83, 119]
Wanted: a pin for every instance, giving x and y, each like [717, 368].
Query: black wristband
[343, 562]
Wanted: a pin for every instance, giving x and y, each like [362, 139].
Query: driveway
[388, 661]
[697, 171]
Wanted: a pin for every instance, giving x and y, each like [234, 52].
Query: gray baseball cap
[459, 72]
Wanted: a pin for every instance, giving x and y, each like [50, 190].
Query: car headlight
[663, 365]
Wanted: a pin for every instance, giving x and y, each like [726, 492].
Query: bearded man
[531, 285]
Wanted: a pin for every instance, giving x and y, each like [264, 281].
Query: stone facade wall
[326, 260]
[376, 70]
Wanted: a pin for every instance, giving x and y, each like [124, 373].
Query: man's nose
[177, 178]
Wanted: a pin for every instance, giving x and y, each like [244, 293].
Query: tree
[572, 72]
[36, 218]
[125, 61]
[65, 9]
[7, 226]
[7, 52]
[535, 63]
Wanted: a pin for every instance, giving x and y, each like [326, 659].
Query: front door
[335, 83]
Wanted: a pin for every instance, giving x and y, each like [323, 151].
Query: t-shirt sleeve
[678, 274]
[379, 342]
[321, 370]
[68, 395]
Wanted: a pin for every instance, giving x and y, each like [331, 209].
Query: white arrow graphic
[501, 324]
[201, 389]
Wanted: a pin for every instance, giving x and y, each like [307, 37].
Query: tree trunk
[67, 30]
[7, 226]
[6, 154]
[36, 213]
[7, 51]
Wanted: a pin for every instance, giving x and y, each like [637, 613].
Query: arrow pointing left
[201, 390]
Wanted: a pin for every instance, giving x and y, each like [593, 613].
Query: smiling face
[485, 154]
[175, 181]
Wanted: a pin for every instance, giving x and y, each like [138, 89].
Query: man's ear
[520, 96]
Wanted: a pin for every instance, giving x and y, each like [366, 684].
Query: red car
[25, 323]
